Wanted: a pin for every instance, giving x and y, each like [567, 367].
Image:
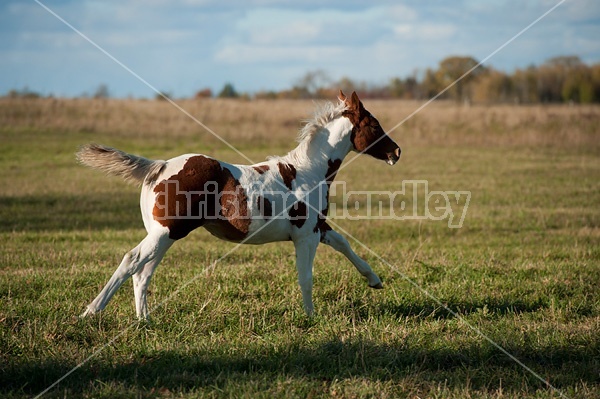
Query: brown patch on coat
[367, 134]
[172, 208]
[332, 169]
[264, 207]
[288, 173]
[321, 219]
[261, 168]
[298, 214]
[190, 199]
[323, 229]
[234, 209]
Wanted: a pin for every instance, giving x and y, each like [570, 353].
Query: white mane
[324, 114]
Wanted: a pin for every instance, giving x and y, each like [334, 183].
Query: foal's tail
[130, 167]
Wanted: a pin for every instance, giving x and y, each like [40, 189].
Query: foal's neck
[329, 143]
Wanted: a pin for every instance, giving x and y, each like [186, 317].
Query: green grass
[523, 270]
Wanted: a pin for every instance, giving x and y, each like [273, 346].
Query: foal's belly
[261, 231]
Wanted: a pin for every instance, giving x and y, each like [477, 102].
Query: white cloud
[247, 53]
[424, 31]
[318, 35]
[296, 32]
[401, 13]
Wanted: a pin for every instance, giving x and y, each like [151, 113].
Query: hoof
[87, 313]
[377, 286]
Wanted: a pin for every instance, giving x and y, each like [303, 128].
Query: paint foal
[284, 198]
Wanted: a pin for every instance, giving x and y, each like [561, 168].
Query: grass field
[524, 269]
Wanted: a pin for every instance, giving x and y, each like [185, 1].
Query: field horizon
[522, 270]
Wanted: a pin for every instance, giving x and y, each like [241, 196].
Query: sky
[182, 46]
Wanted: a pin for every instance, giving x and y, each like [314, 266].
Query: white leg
[305, 255]
[141, 281]
[150, 250]
[340, 244]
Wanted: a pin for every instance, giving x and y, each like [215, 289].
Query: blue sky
[181, 46]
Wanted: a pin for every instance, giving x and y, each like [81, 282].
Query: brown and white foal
[284, 198]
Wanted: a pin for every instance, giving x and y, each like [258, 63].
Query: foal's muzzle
[393, 157]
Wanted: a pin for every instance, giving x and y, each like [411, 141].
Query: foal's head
[367, 135]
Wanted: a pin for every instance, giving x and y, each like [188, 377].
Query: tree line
[560, 79]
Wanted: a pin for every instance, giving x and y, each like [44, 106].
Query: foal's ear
[355, 102]
[342, 97]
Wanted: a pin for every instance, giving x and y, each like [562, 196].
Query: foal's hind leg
[148, 252]
[141, 280]
[340, 244]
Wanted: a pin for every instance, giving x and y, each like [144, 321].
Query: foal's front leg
[306, 248]
[340, 244]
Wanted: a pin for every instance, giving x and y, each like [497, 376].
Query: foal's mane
[324, 113]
